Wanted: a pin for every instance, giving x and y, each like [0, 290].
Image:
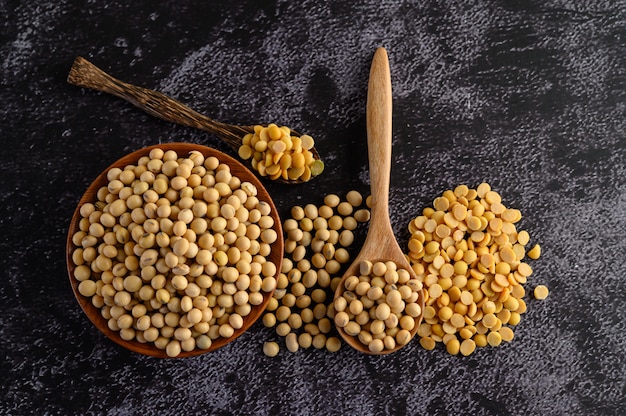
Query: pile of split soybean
[276, 153]
[467, 250]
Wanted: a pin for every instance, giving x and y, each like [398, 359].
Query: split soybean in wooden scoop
[286, 156]
[378, 336]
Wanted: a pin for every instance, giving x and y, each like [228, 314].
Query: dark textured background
[528, 96]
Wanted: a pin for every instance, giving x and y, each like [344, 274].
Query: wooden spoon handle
[379, 134]
[85, 74]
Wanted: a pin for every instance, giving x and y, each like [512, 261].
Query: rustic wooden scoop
[85, 74]
[380, 243]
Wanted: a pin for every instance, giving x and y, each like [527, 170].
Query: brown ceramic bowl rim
[183, 149]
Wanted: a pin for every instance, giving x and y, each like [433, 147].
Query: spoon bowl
[183, 149]
[380, 243]
[85, 74]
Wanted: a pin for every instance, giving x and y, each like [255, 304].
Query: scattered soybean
[317, 242]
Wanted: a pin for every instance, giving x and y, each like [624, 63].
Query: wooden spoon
[380, 243]
[85, 74]
[183, 149]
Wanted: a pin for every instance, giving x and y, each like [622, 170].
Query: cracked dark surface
[528, 96]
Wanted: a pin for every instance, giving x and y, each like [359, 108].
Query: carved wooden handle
[379, 133]
[85, 74]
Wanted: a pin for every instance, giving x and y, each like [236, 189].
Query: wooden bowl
[183, 149]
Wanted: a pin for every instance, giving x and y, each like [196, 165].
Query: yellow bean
[540, 292]
[470, 257]
[271, 349]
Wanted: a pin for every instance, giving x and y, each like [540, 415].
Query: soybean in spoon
[380, 246]
[272, 151]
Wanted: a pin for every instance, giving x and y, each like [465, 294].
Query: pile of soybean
[175, 251]
[379, 305]
[466, 250]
